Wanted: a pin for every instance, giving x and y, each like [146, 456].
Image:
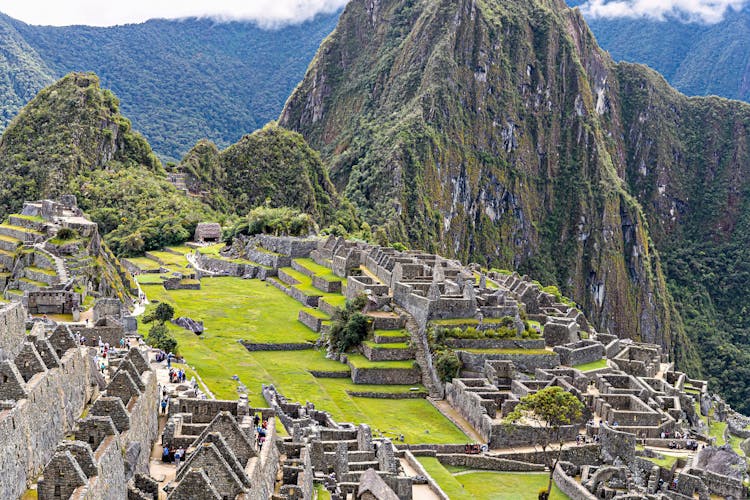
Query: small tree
[159, 337]
[550, 408]
[164, 312]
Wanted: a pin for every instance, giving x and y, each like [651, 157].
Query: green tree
[160, 338]
[164, 312]
[550, 408]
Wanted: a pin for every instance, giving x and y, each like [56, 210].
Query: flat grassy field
[470, 484]
[234, 309]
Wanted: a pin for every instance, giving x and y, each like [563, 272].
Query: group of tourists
[172, 456]
[177, 376]
[260, 430]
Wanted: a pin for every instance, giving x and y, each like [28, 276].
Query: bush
[350, 327]
[66, 234]
[447, 365]
[164, 312]
[160, 338]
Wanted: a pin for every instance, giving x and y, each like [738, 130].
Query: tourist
[102, 367]
[164, 406]
[178, 456]
[165, 455]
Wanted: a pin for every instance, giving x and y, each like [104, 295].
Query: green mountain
[270, 166]
[500, 132]
[697, 59]
[180, 81]
[71, 138]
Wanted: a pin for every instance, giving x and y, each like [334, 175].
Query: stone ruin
[345, 458]
[223, 458]
[207, 232]
[42, 436]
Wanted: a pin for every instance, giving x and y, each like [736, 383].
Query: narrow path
[419, 491]
[451, 414]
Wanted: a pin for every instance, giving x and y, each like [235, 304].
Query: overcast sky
[705, 11]
[109, 13]
[275, 12]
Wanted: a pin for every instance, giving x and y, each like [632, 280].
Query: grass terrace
[30, 218]
[150, 279]
[359, 361]
[10, 239]
[144, 263]
[233, 309]
[594, 365]
[665, 462]
[171, 259]
[464, 484]
[318, 270]
[40, 284]
[48, 272]
[22, 229]
[400, 345]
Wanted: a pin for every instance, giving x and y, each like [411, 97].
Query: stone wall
[495, 343]
[504, 436]
[483, 462]
[12, 329]
[568, 485]
[524, 362]
[293, 247]
[263, 471]
[386, 376]
[144, 427]
[386, 354]
[32, 429]
[616, 444]
[578, 353]
[266, 258]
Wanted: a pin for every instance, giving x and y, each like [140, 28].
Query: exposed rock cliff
[500, 132]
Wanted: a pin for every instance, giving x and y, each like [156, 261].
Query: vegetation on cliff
[499, 132]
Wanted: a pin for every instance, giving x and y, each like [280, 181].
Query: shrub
[66, 234]
[350, 326]
[164, 312]
[447, 364]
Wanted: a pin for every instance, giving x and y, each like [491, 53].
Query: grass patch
[373, 345]
[665, 462]
[30, 281]
[150, 279]
[717, 431]
[181, 249]
[10, 239]
[335, 301]
[211, 249]
[48, 272]
[316, 313]
[30, 218]
[20, 228]
[318, 270]
[359, 361]
[233, 308]
[170, 259]
[144, 263]
[524, 352]
[392, 333]
[464, 484]
[594, 365]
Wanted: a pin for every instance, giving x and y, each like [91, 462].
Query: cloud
[267, 13]
[698, 11]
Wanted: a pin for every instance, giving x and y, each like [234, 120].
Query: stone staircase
[60, 269]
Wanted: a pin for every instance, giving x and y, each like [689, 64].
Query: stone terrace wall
[570, 486]
[263, 472]
[12, 329]
[144, 426]
[32, 429]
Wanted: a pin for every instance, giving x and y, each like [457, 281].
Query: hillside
[697, 59]
[272, 165]
[71, 138]
[179, 81]
[499, 132]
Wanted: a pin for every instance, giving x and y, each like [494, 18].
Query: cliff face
[489, 131]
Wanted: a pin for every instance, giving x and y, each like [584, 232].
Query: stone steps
[59, 264]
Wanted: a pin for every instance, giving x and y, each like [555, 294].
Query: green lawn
[373, 345]
[234, 309]
[487, 485]
[392, 333]
[595, 365]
